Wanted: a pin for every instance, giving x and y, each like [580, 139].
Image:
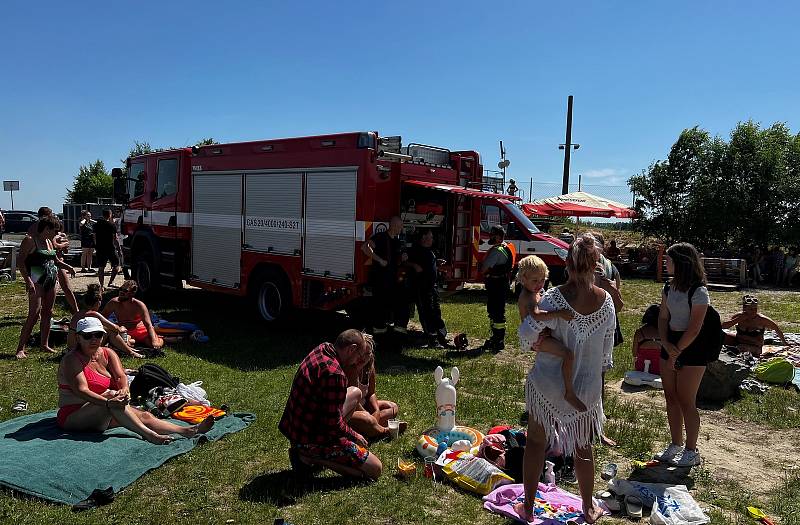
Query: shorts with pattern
[346, 453]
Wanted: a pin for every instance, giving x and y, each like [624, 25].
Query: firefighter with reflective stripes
[496, 269]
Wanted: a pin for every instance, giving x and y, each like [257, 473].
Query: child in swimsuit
[750, 327]
[647, 343]
[532, 274]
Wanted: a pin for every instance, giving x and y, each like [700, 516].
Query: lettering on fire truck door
[273, 212]
[217, 228]
[330, 224]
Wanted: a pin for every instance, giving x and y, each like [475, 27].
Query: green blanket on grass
[40, 459]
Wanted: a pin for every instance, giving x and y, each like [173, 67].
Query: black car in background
[18, 221]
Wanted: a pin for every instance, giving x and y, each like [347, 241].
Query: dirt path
[732, 449]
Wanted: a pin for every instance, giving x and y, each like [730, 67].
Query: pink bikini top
[97, 382]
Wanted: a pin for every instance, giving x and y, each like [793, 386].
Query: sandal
[609, 500]
[20, 405]
[633, 506]
[609, 471]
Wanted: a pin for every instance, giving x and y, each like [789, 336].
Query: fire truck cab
[524, 235]
[283, 221]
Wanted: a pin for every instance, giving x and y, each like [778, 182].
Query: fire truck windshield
[519, 217]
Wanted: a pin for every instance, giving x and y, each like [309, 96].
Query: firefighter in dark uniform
[425, 274]
[386, 251]
[496, 270]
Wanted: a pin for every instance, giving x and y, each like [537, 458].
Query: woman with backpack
[689, 342]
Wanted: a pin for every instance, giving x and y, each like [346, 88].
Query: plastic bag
[672, 504]
[193, 392]
[776, 370]
[474, 474]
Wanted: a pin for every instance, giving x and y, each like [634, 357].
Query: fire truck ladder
[462, 247]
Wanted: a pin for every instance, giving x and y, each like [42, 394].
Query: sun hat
[90, 324]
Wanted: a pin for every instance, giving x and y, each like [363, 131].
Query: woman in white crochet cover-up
[590, 335]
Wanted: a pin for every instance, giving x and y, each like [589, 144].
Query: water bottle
[549, 474]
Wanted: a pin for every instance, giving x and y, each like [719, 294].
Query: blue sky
[84, 80]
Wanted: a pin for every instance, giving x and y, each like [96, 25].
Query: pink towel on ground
[552, 505]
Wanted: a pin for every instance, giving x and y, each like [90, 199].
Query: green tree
[93, 182]
[719, 194]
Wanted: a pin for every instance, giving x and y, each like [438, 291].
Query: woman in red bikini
[134, 316]
[93, 392]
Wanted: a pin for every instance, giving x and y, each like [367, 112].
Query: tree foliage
[724, 195]
[93, 182]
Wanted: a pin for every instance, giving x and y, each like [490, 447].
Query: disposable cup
[394, 428]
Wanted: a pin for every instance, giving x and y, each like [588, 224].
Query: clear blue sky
[84, 80]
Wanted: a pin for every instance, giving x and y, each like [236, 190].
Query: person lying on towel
[93, 392]
[134, 316]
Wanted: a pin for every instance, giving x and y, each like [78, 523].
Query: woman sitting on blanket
[93, 392]
[750, 327]
[90, 306]
[372, 416]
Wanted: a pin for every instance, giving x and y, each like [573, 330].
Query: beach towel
[45, 461]
[552, 506]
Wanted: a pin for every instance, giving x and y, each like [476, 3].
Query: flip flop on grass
[633, 506]
[20, 405]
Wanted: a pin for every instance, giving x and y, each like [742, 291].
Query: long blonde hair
[582, 259]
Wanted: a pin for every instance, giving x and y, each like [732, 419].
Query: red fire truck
[282, 221]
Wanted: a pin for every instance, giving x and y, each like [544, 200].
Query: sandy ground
[751, 455]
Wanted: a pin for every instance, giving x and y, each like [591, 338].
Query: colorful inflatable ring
[429, 441]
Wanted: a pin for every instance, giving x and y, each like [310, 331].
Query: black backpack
[711, 335]
[150, 376]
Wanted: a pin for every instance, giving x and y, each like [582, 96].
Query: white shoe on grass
[687, 458]
[669, 454]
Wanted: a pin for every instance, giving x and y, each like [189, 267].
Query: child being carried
[532, 275]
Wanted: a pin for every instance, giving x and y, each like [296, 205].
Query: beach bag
[711, 335]
[151, 376]
[777, 370]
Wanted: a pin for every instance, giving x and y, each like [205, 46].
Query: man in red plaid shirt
[315, 420]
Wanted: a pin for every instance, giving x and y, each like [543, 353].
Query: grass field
[245, 477]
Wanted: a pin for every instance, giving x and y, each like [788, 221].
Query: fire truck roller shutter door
[217, 228]
[273, 212]
[330, 224]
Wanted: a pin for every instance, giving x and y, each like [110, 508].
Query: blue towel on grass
[40, 459]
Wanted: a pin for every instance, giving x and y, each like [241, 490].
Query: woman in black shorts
[87, 241]
[683, 357]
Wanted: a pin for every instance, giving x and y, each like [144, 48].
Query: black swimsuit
[754, 332]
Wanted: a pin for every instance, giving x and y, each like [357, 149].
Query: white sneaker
[687, 458]
[669, 454]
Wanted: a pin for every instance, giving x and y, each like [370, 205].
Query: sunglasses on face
[92, 335]
[750, 300]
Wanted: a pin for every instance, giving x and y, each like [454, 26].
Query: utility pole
[568, 146]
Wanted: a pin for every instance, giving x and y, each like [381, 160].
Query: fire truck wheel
[271, 297]
[144, 272]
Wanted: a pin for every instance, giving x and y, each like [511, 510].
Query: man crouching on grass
[315, 420]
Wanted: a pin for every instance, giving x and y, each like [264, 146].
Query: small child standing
[532, 274]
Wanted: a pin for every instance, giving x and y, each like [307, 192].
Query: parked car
[18, 221]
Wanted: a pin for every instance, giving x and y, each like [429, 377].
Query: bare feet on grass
[21, 354]
[48, 350]
[573, 400]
